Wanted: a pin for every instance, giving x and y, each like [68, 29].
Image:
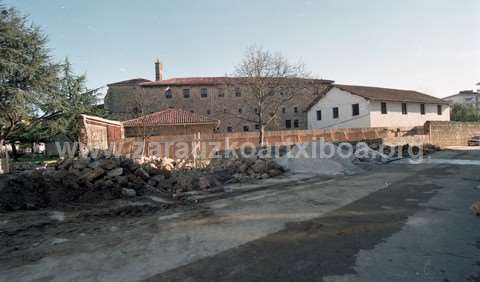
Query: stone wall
[451, 133]
[166, 146]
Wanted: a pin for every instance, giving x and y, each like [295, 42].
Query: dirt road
[396, 222]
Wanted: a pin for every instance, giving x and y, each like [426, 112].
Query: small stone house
[169, 122]
[350, 106]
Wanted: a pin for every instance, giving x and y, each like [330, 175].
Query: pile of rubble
[247, 167]
[91, 180]
[382, 153]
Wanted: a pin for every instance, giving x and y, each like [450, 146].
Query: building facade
[220, 98]
[347, 106]
[466, 97]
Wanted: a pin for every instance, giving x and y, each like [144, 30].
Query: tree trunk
[14, 152]
[261, 137]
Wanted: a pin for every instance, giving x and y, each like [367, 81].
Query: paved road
[396, 222]
[417, 229]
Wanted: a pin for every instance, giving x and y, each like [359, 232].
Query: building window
[203, 92]
[245, 128]
[384, 108]
[295, 110]
[224, 111]
[168, 93]
[208, 112]
[319, 115]
[240, 110]
[192, 111]
[221, 93]
[335, 113]
[186, 93]
[422, 109]
[238, 93]
[284, 110]
[255, 110]
[288, 123]
[355, 109]
[404, 109]
[439, 110]
[257, 126]
[229, 129]
[296, 123]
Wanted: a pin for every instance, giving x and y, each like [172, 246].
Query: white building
[466, 97]
[349, 106]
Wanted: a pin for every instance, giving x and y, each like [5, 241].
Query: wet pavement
[395, 222]
[417, 229]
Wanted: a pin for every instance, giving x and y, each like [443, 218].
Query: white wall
[370, 112]
[343, 100]
[395, 118]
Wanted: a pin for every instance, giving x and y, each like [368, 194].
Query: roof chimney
[158, 70]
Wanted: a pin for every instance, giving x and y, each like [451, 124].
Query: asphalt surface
[418, 228]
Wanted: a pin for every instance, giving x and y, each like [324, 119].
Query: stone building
[221, 98]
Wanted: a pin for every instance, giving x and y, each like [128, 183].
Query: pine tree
[27, 75]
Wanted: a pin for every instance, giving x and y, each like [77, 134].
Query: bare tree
[141, 106]
[270, 81]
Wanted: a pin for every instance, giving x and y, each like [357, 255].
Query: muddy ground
[395, 222]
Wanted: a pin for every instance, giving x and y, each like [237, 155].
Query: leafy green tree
[464, 113]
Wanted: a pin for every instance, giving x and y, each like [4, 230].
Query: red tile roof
[169, 117]
[130, 82]
[210, 81]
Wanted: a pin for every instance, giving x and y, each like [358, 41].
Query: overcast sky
[427, 45]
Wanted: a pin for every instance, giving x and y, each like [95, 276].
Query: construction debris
[89, 180]
[383, 153]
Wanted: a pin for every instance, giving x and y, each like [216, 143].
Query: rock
[121, 180]
[129, 192]
[81, 163]
[93, 174]
[158, 178]
[94, 164]
[259, 166]
[186, 183]
[65, 164]
[108, 164]
[135, 179]
[243, 168]
[59, 175]
[274, 172]
[140, 172]
[475, 208]
[115, 172]
[205, 182]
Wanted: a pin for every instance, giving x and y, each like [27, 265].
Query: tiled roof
[382, 94]
[212, 81]
[388, 94]
[130, 82]
[169, 117]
